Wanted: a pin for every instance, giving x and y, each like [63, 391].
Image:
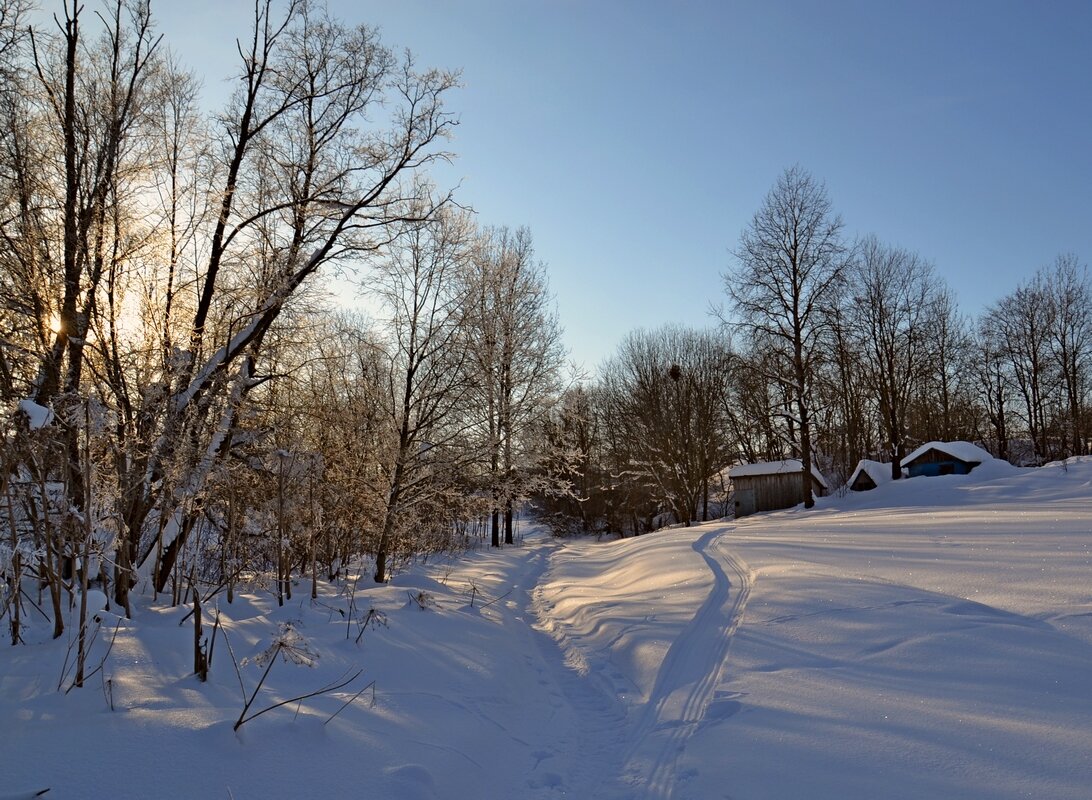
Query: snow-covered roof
[964, 451]
[775, 468]
[876, 470]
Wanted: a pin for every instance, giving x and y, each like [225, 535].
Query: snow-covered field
[929, 639]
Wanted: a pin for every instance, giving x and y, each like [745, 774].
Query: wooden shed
[869, 475]
[772, 485]
[944, 458]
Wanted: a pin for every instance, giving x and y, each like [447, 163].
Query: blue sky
[636, 139]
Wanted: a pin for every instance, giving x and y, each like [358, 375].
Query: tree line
[185, 405]
[186, 410]
[828, 351]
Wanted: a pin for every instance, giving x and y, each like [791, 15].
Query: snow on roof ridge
[775, 468]
[878, 471]
[964, 451]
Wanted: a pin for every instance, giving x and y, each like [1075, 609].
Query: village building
[944, 458]
[772, 485]
[868, 475]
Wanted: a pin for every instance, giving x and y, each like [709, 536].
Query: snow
[925, 639]
[775, 468]
[879, 472]
[964, 451]
[38, 416]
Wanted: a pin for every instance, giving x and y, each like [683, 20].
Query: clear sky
[637, 139]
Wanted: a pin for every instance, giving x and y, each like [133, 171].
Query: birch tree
[73, 167]
[517, 360]
[427, 377]
[335, 190]
[296, 175]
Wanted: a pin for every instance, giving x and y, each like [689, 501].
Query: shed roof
[962, 451]
[775, 468]
[878, 471]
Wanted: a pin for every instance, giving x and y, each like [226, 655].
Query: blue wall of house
[934, 468]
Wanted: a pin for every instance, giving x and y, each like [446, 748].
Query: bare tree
[294, 175]
[1069, 293]
[517, 360]
[988, 362]
[666, 393]
[349, 393]
[1022, 322]
[72, 161]
[420, 287]
[304, 185]
[573, 457]
[945, 408]
[792, 261]
[846, 394]
[894, 304]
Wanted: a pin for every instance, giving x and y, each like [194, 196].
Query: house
[944, 458]
[869, 475]
[772, 485]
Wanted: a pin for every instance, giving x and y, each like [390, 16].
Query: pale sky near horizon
[636, 139]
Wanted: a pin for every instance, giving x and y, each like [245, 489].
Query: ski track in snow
[929, 639]
[689, 675]
[648, 751]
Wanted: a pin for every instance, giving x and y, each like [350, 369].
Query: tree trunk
[805, 422]
[200, 657]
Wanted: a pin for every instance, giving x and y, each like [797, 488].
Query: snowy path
[571, 764]
[690, 673]
[683, 690]
[930, 639]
